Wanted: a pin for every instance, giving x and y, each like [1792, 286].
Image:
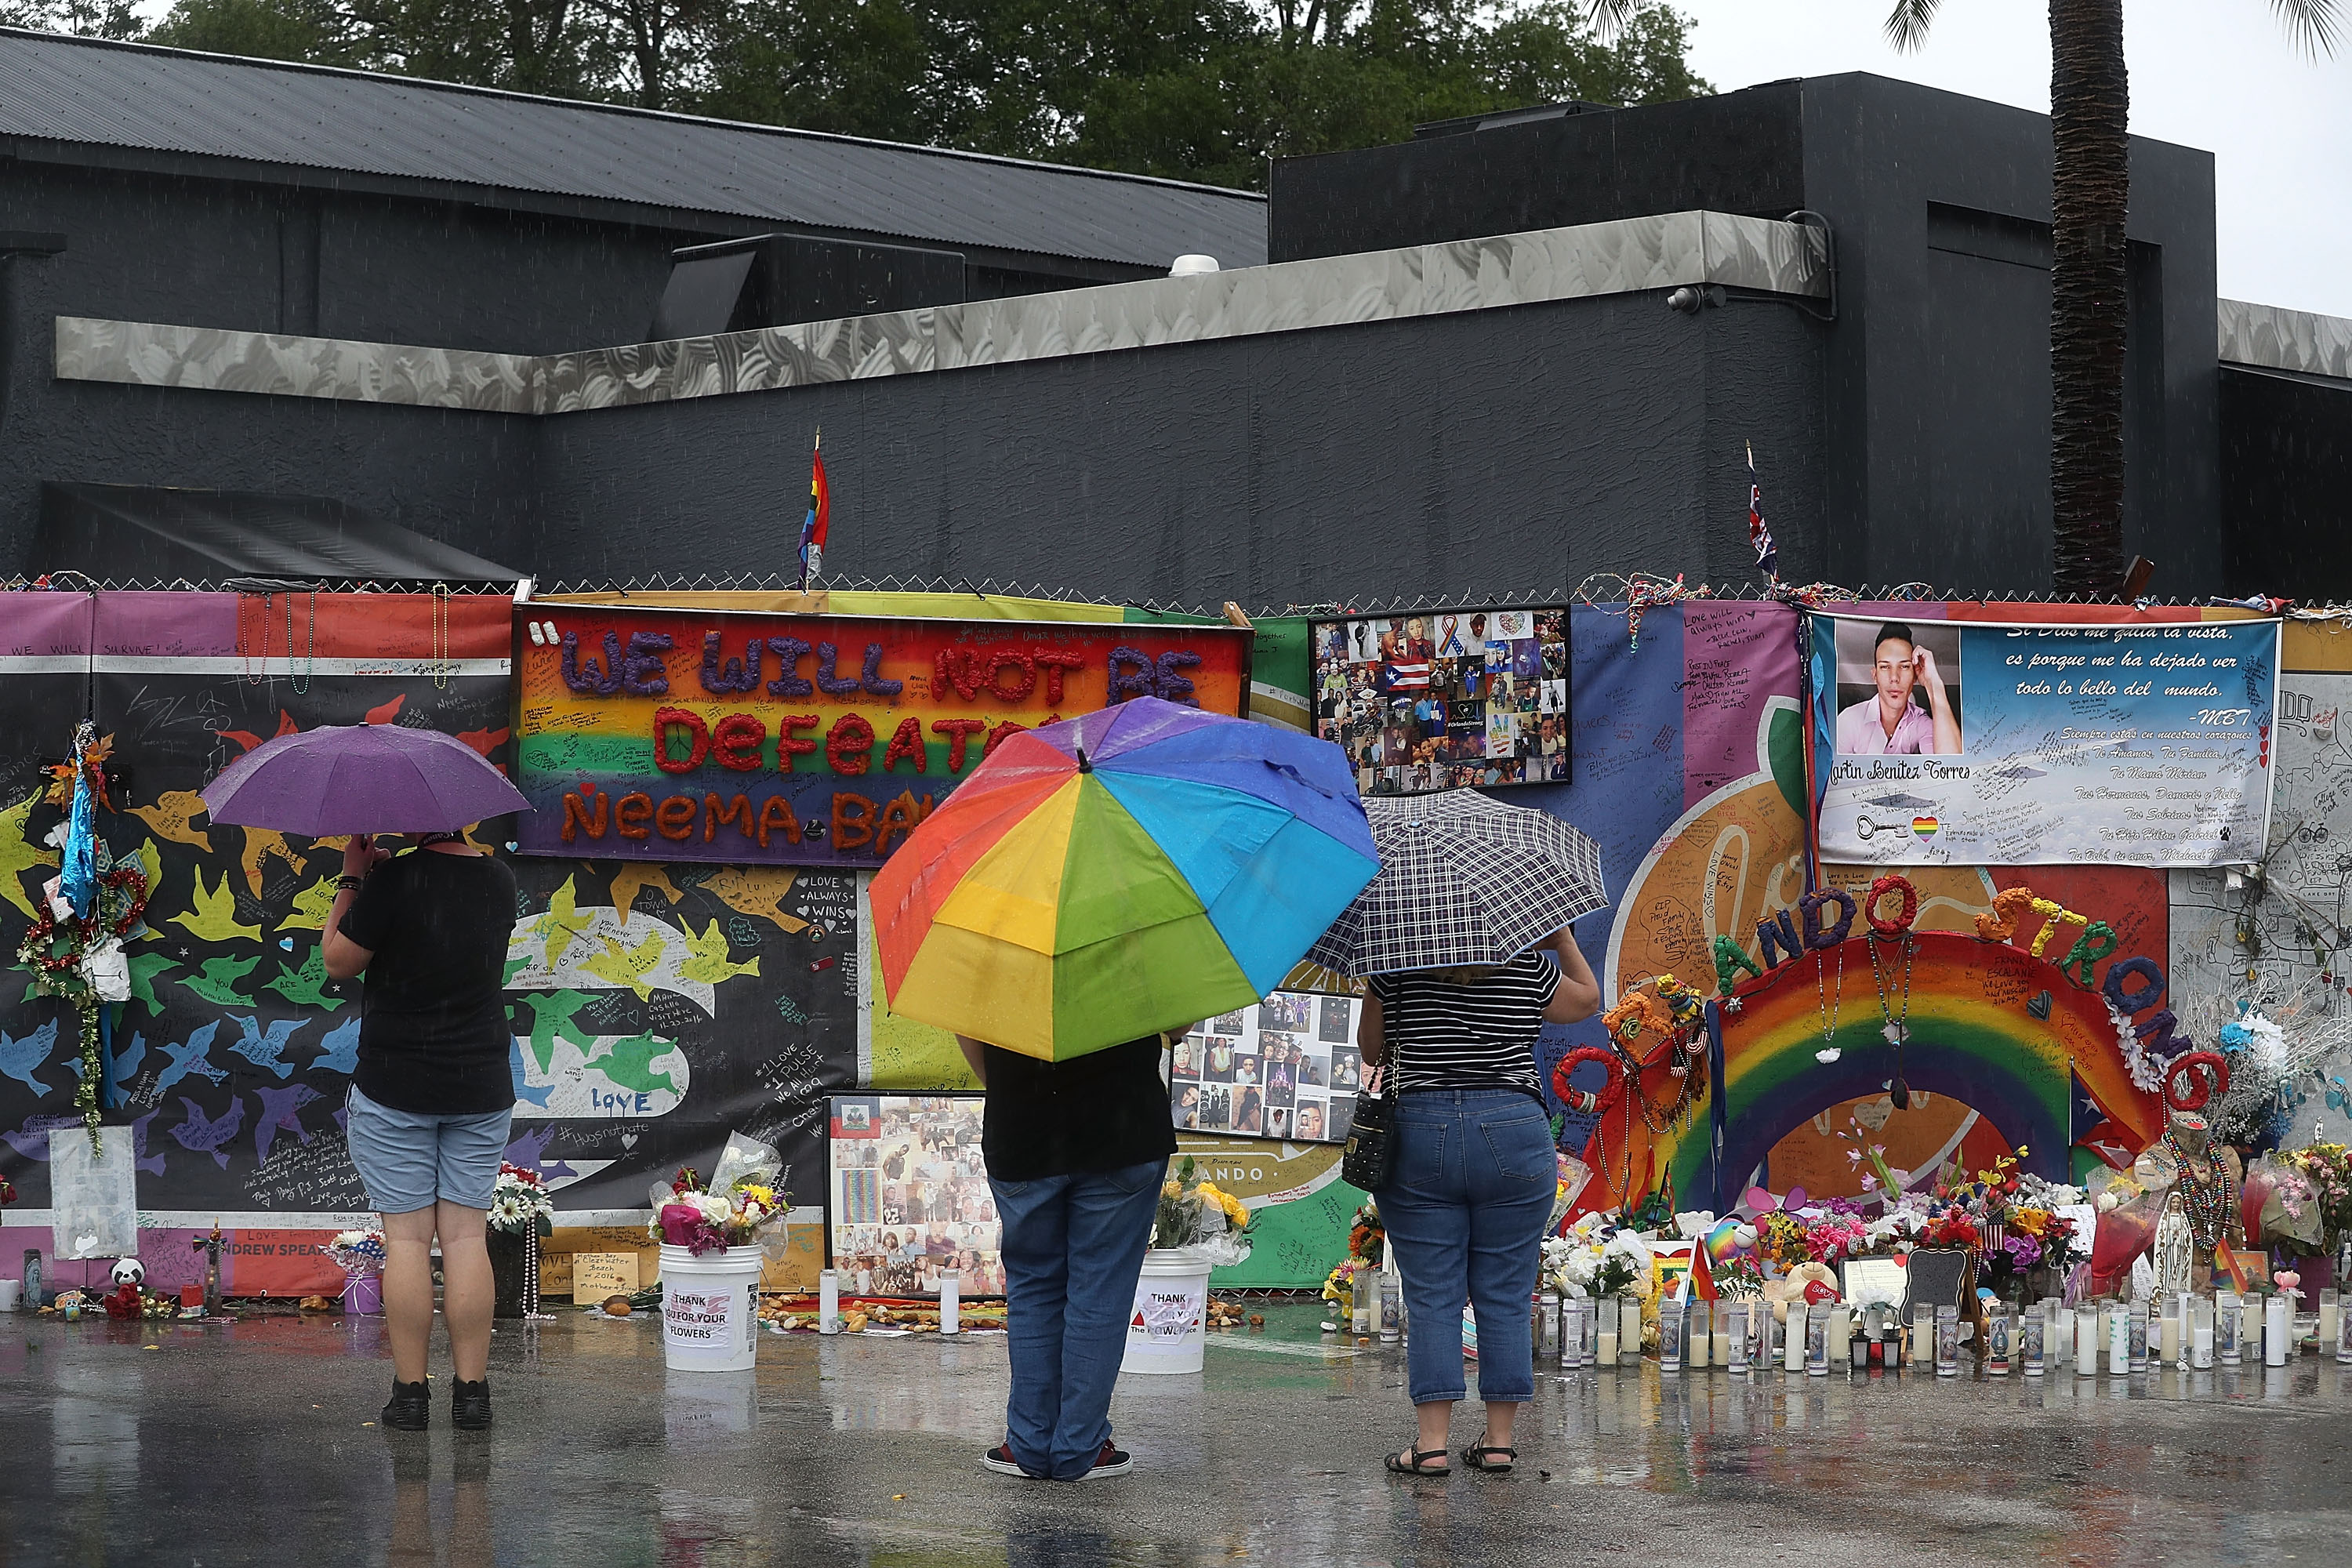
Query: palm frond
[2311, 23]
[1608, 18]
[1906, 26]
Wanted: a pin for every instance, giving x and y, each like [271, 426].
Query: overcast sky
[2216, 74]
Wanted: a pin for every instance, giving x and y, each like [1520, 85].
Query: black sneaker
[410, 1408]
[1000, 1459]
[469, 1406]
[1112, 1461]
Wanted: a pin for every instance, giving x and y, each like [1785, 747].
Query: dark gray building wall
[1938, 386]
[1499, 451]
[1934, 391]
[2287, 468]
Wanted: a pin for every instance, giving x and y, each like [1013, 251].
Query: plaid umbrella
[1463, 879]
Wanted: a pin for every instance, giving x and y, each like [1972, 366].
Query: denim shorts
[410, 1161]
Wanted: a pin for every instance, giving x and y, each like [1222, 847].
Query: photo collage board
[1446, 699]
[1287, 1068]
[909, 1196]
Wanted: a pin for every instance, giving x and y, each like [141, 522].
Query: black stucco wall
[1502, 451]
[2286, 469]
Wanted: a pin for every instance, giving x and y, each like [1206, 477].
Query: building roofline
[625, 111]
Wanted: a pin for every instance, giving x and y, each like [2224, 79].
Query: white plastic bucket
[710, 1309]
[1168, 1330]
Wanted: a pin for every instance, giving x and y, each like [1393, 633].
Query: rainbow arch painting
[1974, 1036]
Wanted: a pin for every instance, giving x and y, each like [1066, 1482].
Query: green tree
[83, 18]
[2089, 198]
[309, 30]
[1328, 76]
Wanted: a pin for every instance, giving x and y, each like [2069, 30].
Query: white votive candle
[2086, 1343]
[828, 1302]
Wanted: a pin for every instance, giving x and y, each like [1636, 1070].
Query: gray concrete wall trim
[2268, 337]
[1584, 261]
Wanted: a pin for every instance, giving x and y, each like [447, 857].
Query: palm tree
[2090, 111]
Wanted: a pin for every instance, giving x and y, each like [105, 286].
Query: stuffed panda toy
[128, 1274]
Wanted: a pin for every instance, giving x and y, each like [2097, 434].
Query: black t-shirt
[434, 1036]
[1102, 1111]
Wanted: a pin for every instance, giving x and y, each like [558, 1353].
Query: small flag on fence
[820, 515]
[1759, 538]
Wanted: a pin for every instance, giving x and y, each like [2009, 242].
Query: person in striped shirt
[1471, 1187]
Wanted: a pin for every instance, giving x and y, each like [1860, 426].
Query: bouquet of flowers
[2329, 1168]
[1200, 1220]
[520, 1203]
[356, 1252]
[742, 1205]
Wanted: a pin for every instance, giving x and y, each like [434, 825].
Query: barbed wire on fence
[1612, 592]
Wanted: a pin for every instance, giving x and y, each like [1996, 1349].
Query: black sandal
[1409, 1462]
[1476, 1457]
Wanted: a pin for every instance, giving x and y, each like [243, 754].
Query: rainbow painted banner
[1988, 1024]
[688, 735]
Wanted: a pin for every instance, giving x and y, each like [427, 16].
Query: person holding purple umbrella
[434, 1089]
[432, 1095]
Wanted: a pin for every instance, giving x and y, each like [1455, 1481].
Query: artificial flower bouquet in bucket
[360, 1255]
[1199, 1222]
[522, 1212]
[715, 1239]
[1198, 1226]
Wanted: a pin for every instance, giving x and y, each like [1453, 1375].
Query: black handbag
[1370, 1152]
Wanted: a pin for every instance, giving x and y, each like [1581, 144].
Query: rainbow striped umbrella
[1135, 870]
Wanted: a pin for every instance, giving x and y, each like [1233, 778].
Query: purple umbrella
[362, 778]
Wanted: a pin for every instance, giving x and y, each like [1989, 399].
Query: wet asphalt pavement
[172, 1443]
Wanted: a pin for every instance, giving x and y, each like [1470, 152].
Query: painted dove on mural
[306, 984]
[281, 1111]
[19, 1058]
[523, 1092]
[311, 907]
[562, 925]
[210, 1135]
[264, 1048]
[261, 845]
[32, 1139]
[123, 1066]
[339, 1051]
[707, 960]
[140, 1158]
[636, 877]
[628, 967]
[214, 919]
[192, 1056]
[629, 1063]
[173, 816]
[551, 1020]
[759, 891]
[18, 854]
[217, 983]
[144, 968]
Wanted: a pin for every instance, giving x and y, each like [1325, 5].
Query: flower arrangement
[1195, 1215]
[2327, 1167]
[701, 1220]
[521, 1204]
[356, 1252]
[743, 1203]
[1366, 1244]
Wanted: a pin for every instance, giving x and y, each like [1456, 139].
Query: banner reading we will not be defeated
[677, 734]
[2135, 742]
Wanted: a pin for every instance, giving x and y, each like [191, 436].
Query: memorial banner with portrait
[1951, 742]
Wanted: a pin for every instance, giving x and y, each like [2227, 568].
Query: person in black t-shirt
[1077, 1152]
[432, 1095]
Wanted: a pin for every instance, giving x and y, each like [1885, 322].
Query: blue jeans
[1465, 1208]
[1073, 1252]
